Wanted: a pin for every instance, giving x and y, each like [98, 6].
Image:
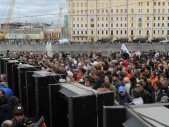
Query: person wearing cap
[19, 119]
[122, 96]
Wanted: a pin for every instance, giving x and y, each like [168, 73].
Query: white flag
[123, 47]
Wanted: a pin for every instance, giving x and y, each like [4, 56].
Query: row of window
[117, 11]
[118, 19]
[119, 32]
[92, 4]
[122, 25]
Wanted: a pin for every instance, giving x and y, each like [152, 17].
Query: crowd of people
[136, 78]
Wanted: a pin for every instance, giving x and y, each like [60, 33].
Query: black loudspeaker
[2, 65]
[22, 69]
[75, 105]
[114, 116]
[9, 72]
[104, 99]
[40, 97]
[30, 93]
[15, 79]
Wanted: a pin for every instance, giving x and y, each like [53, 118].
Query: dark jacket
[159, 96]
[123, 99]
[6, 112]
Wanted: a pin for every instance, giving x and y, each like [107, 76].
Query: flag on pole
[124, 48]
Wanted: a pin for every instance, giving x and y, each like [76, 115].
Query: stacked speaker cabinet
[75, 105]
[22, 69]
[40, 97]
[15, 79]
[2, 65]
[9, 72]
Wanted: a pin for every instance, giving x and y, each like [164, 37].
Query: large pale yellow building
[90, 20]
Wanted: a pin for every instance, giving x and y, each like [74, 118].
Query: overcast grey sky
[29, 10]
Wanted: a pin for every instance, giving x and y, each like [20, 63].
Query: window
[121, 10]
[154, 3]
[73, 32]
[91, 4]
[147, 33]
[102, 18]
[112, 25]
[148, 4]
[168, 18]
[98, 32]
[148, 18]
[102, 31]
[158, 18]
[167, 24]
[73, 25]
[121, 19]
[116, 18]
[81, 25]
[125, 32]
[86, 32]
[125, 25]
[81, 4]
[154, 10]
[158, 10]
[139, 24]
[139, 32]
[162, 18]
[154, 32]
[162, 31]
[91, 25]
[111, 10]
[121, 32]
[117, 10]
[81, 32]
[132, 25]
[158, 24]
[92, 20]
[77, 4]
[106, 19]
[159, 3]
[148, 25]
[117, 25]
[132, 18]
[111, 32]
[163, 10]
[121, 25]
[154, 25]
[102, 25]
[98, 18]
[85, 4]
[148, 11]
[131, 32]
[77, 25]
[140, 19]
[98, 10]
[107, 11]
[116, 31]
[106, 25]
[125, 10]
[163, 3]
[92, 32]
[106, 32]
[154, 18]
[162, 24]
[132, 10]
[98, 25]
[168, 10]
[111, 18]
[167, 32]
[139, 10]
[102, 10]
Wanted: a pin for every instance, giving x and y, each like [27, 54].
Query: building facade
[91, 20]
